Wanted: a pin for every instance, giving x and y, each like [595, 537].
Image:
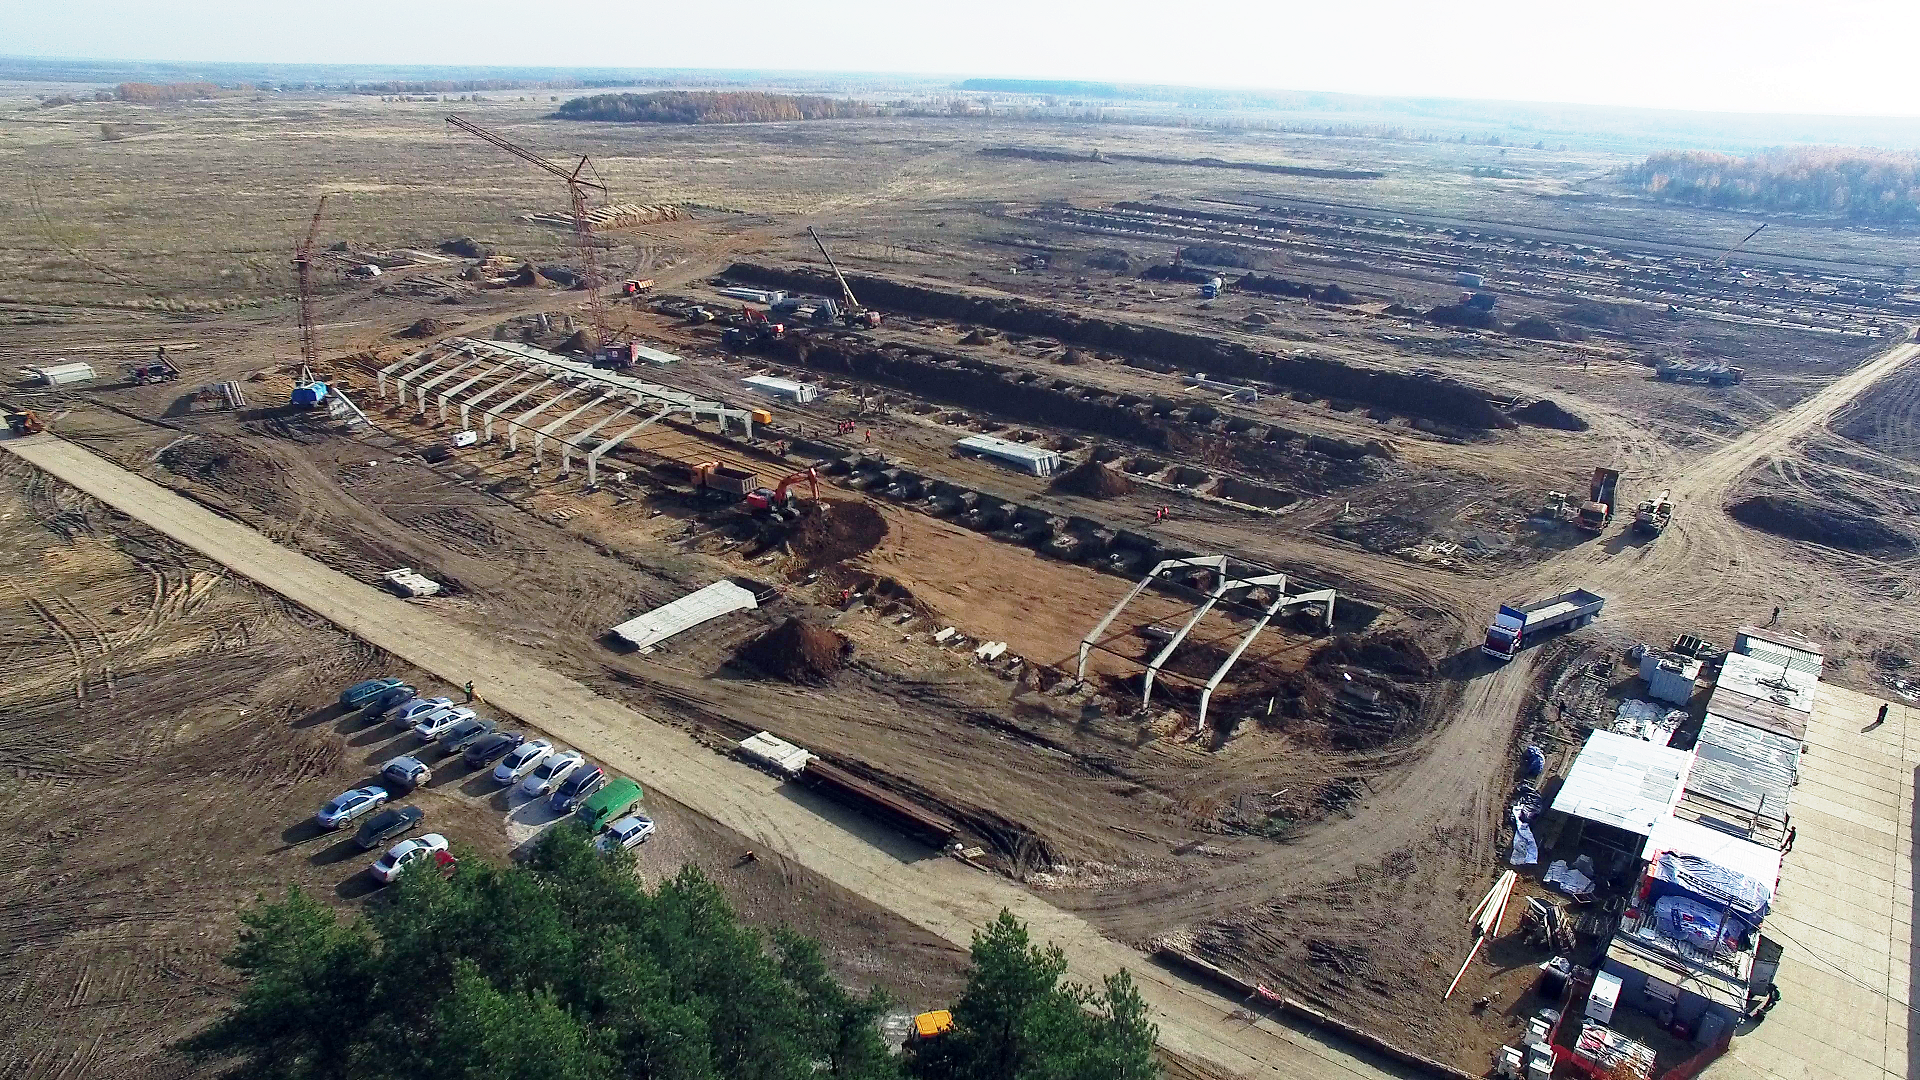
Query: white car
[441, 720]
[627, 833]
[406, 853]
[550, 772]
[521, 760]
[413, 709]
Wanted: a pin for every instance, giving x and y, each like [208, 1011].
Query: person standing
[469, 689]
[1882, 718]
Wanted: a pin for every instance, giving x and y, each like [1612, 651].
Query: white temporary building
[701, 605]
[1628, 783]
[1029, 459]
[785, 389]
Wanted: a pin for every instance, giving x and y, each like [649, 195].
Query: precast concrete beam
[593, 459]
[514, 425]
[460, 387]
[421, 391]
[397, 365]
[540, 437]
[403, 380]
[494, 413]
[467, 405]
[572, 442]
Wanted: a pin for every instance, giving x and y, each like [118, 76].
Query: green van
[610, 803]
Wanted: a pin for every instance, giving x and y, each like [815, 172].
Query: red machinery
[771, 500]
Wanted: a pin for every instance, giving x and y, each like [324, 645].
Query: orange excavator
[778, 501]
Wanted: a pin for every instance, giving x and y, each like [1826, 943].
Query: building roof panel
[1624, 782]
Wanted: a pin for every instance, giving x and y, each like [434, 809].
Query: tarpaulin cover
[1526, 850]
[1686, 919]
[1711, 884]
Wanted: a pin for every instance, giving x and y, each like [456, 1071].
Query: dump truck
[1652, 516]
[717, 481]
[1512, 629]
[1597, 512]
[1712, 374]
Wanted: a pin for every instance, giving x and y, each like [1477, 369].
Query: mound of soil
[1389, 652]
[1215, 255]
[1533, 326]
[831, 531]
[428, 327]
[1608, 316]
[1832, 526]
[797, 652]
[467, 248]
[526, 277]
[1114, 259]
[1545, 413]
[1334, 294]
[1463, 315]
[582, 341]
[1092, 479]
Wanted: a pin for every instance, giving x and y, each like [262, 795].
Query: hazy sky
[1825, 56]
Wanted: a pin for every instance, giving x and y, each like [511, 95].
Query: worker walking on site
[1881, 719]
[1776, 616]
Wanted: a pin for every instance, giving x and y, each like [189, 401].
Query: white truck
[1514, 628]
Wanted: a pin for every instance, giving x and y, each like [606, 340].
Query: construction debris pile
[797, 652]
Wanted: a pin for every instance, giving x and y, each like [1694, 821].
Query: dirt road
[943, 895]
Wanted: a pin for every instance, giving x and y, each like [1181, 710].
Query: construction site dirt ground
[1282, 842]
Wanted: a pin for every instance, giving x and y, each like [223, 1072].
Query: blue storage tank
[309, 395]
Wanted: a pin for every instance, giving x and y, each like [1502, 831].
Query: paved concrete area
[941, 894]
[1845, 907]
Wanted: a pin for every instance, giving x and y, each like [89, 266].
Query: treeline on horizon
[1861, 184]
[709, 107]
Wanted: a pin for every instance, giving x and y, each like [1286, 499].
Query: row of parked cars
[565, 778]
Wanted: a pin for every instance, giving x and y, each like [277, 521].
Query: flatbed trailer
[1512, 629]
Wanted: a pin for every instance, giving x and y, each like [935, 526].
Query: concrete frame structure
[540, 437]
[466, 406]
[420, 392]
[447, 395]
[1224, 583]
[523, 372]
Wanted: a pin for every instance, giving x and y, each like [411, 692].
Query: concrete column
[460, 387]
[467, 406]
[494, 412]
[540, 437]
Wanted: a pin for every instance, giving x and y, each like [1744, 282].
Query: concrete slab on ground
[1845, 907]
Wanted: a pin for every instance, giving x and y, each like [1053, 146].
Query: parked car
[437, 723]
[626, 833]
[388, 698]
[344, 807]
[610, 803]
[491, 748]
[549, 773]
[416, 707]
[417, 850]
[521, 760]
[403, 774]
[387, 824]
[579, 784]
[357, 695]
[464, 733]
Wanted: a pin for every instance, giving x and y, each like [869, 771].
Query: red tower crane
[577, 186]
[303, 269]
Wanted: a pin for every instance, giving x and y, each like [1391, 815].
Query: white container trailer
[62, 374]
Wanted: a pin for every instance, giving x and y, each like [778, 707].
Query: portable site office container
[1028, 459]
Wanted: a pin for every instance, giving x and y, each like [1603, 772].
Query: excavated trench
[1414, 396]
[1312, 462]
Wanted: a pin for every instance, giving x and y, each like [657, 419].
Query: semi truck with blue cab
[1513, 629]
